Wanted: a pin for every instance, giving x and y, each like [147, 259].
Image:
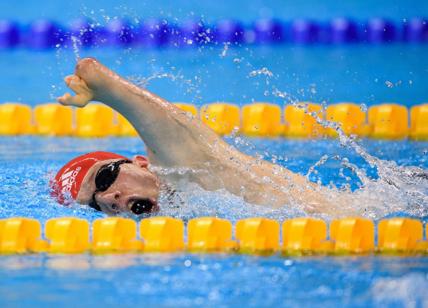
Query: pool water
[377, 173]
[213, 281]
[25, 189]
[360, 73]
[324, 74]
[209, 280]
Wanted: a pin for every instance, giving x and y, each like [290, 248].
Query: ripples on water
[358, 183]
[375, 179]
[27, 164]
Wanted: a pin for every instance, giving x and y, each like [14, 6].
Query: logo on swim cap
[69, 178]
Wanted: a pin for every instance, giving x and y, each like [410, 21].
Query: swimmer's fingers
[79, 100]
[83, 94]
[77, 84]
[64, 100]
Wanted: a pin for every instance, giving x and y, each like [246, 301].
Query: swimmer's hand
[83, 94]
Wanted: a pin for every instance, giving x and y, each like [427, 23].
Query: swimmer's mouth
[144, 206]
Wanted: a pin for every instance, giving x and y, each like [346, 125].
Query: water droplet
[389, 84]
[288, 262]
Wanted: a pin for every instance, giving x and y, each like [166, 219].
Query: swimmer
[175, 140]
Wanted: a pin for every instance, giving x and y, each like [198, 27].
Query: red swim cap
[69, 179]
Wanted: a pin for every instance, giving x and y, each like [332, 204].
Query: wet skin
[174, 139]
[134, 182]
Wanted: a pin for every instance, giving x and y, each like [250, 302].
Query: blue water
[213, 281]
[27, 163]
[244, 10]
[189, 280]
[325, 74]
[25, 190]
[367, 74]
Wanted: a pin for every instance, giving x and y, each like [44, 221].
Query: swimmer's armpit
[83, 94]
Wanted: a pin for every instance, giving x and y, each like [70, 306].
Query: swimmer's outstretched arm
[173, 137]
[176, 139]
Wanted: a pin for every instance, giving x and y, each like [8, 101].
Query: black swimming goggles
[106, 176]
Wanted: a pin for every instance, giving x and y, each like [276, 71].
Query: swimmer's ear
[140, 161]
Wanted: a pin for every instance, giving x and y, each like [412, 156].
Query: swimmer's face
[134, 183]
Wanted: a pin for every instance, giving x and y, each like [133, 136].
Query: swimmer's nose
[112, 198]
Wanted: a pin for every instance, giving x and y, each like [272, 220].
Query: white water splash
[75, 44]
[263, 71]
[391, 84]
[193, 201]
[223, 53]
[398, 188]
[191, 86]
[408, 290]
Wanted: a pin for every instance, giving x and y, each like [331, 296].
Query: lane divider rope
[303, 120]
[46, 34]
[261, 236]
